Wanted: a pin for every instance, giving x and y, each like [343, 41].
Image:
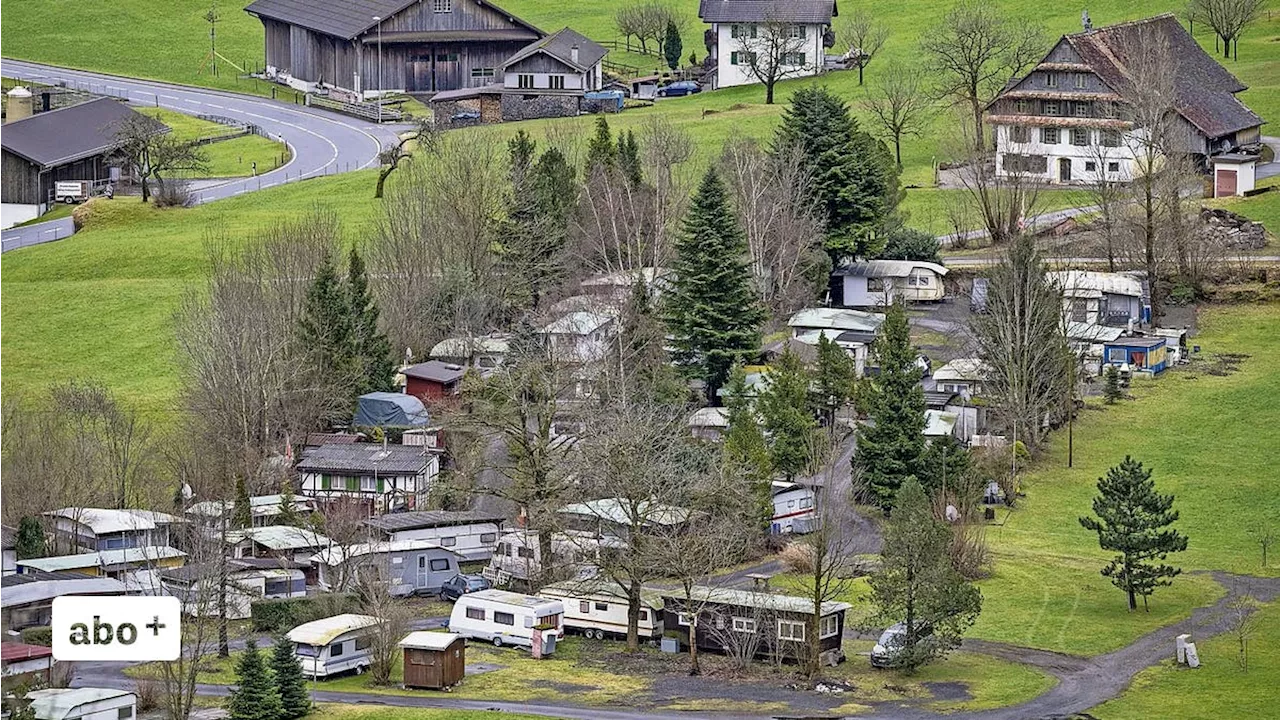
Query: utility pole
[378, 19]
[212, 18]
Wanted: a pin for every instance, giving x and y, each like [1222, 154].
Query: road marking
[215, 106]
[169, 97]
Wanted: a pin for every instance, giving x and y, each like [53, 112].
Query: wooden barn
[367, 46]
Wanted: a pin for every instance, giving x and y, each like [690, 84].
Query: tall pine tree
[784, 406]
[601, 151]
[255, 696]
[29, 542]
[672, 45]
[1133, 521]
[289, 680]
[629, 158]
[538, 223]
[241, 509]
[835, 379]
[855, 178]
[376, 366]
[712, 311]
[326, 332]
[889, 450]
[745, 450]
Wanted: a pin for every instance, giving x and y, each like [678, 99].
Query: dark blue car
[678, 89]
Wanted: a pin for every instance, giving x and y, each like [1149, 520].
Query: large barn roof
[349, 19]
[65, 135]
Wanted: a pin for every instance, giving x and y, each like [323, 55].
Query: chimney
[1085, 22]
[573, 54]
[19, 104]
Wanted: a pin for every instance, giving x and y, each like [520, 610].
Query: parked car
[890, 644]
[459, 585]
[678, 89]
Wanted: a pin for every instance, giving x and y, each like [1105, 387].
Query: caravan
[506, 618]
[334, 645]
[598, 608]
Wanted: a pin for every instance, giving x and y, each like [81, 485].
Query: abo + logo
[136, 628]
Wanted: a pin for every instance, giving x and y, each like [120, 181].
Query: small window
[335, 650]
[125, 713]
[1023, 106]
[446, 57]
[475, 613]
[368, 484]
[555, 82]
[439, 564]
[1081, 81]
[806, 503]
[525, 552]
[795, 31]
[448, 541]
[1113, 167]
[1019, 134]
[791, 504]
[584, 607]
[1116, 355]
[1090, 166]
[793, 58]
[1050, 80]
[1051, 107]
[1081, 109]
[644, 616]
[504, 618]
[1110, 138]
[488, 538]
[1079, 136]
[602, 607]
[791, 630]
[875, 285]
[744, 625]
[1049, 136]
[684, 619]
[1079, 310]
[481, 72]
[441, 6]
[828, 626]
[525, 81]
[363, 642]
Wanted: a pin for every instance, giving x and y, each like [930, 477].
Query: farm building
[776, 625]
[26, 600]
[709, 423]
[383, 478]
[876, 283]
[360, 48]
[68, 144]
[433, 381]
[471, 534]
[1099, 298]
[409, 567]
[433, 660]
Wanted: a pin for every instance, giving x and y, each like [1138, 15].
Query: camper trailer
[334, 645]
[598, 608]
[506, 618]
[518, 556]
[793, 508]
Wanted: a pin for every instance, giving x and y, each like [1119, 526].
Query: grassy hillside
[226, 158]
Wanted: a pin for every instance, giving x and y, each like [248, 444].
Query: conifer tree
[289, 680]
[241, 510]
[601, 151]
[712, 311]
[943, 464]
[672, 46]
[1133, 521]
[629, 158]
[288, 513]
[855, 178]
[784, 406]
[1111, 385]
[29, 542]
[745, 450]
[326, 333]
[375, 365]
[835, 380]
[889, 450]
[255, 696]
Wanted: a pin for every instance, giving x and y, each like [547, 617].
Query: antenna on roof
[1085, 21]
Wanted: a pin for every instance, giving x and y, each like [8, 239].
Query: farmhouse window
[1090, 166]
[447, 57]
[555, 82]
[439, 564]
[1082, 80]
[504, 618]
[1111, 138]
[487, 538]
[441, 6]
[368, 484]
[795, 31]
[1079, 136]
[475, 613]
[744, 625]
[324, 482]
[584, 607]
[742, 57]
[1081, 109]
[1050, 80]
[448, 541]
[1049, 136]
[353, 484]
[1019, 134]
[1024, 107]
[828, 626]
[481, 72]
[793, 58]
[1113, 167]
[525, 81]
[1051, 107]
[742, 31]
[791, 630]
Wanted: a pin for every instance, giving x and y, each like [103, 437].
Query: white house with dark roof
[565, 60]
[382, 477]
[1068, 120]
[740, 27]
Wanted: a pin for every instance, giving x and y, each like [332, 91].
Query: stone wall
[532, 107]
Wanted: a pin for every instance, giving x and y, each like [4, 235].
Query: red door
[1226, 183]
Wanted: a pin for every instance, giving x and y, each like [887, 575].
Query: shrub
[284, 614]
[910, 244]
[39, 635]
[173, 193]
[148, 692]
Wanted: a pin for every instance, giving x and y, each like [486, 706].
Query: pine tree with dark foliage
[673, 46]
[376, 367]
[1133, 521]
[255, 696]
[601, 152]
[30, 542]
[326, 333]
[712, 311]
[629, 158]
[889, 450]
[784, 407]
[1111, 389]
[290, 682]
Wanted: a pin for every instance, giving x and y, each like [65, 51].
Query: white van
[598, 608]
[334, 645]
[505, 618]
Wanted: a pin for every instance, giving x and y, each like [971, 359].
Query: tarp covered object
[384, 409]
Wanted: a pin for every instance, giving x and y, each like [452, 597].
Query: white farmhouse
[741, 27]
[565, 61]
[1068, 120]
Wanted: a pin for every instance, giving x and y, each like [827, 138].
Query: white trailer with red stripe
[793, 508]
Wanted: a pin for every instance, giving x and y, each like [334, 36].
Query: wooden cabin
[434, 660]
[779, 623]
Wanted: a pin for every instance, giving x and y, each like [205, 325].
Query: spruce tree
[255, 696]
[745, 450]
[855, 178]
[325, 331]
[672, 46]
[629, 158]
[1133, 521]
[288, 513]
[917, 585]
[889, 449]
[943, 464]
[1111, 385]
[29, 542]
[289, 680]
[712, 311]
[241, 510]
[600, 149]
[375, 363]
[835, 380]
[784, 407]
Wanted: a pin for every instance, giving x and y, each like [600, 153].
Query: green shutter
[353, 483]
[324, 482]
[381, 484]
[733, 58]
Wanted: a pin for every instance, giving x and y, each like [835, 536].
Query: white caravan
[598, 608]
[518, 556]
[506, 618]
[334, 645]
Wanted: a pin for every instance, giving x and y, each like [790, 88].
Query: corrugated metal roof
[1087, 283]
[747, 598]
[23, 590]
[577, 323]
[887, 268]
[348, 18]
[16, 652]
[837, 319]
[394, 522]
[102, 521]
[322, 632]
[104, 558]
[709, 417]
[428, 640]
[435, 371]
[461, 347]
[593, 588]
[63, 703]
[365, 458]
[963, 369]
[616, 510]
[61, 136]
[280, 537]
[1092, 333]
[259, 505]
[792, 11]
[342, 553]
[512, 598]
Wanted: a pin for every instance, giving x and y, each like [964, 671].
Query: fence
[374, 111]
[626, 45]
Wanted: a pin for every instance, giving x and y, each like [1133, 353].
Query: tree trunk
[979, 134]
[146, 190]
[382, 180]
[1226, 47]
[897, 147]
[694, 667]
[633, 616]
[1133, 602]
[860, 83]
[768, 93]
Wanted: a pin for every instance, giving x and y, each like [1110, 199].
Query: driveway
[1272, 168]
[321, 143]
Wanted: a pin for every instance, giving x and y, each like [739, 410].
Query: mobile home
[506, 618]
[518, 556]
[793, 508]
[598, 608]
[471, 534]
[334, 645]
[410, 567]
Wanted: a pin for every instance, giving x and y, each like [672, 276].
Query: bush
[910, 244]
[39, 635]
[173, 193]
[149, 692]
[284, 614]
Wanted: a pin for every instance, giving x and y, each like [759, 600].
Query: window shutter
[753, 32]
[324, 482]
[381, 484]
[733, 58]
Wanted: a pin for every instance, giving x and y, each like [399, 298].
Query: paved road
[977, 261]
[321, 143]
[1272, 168]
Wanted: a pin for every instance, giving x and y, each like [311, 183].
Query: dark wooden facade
[421, 48]
[714, 617]
[435, 669]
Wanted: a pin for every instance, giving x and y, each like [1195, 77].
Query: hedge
[284, 614]
[38, 635]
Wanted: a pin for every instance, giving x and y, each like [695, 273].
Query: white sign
[127, 629]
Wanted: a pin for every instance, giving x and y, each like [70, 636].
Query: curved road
[321, 143]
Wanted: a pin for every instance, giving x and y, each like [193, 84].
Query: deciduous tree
[898, 105]
[772, 51]
[1228, 18]
[864, 38]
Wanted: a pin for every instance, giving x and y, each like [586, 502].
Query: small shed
[1142, 354]
[1233, 174]
[434, 660]
[433, 381]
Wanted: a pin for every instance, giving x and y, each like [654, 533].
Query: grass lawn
[226, 158]
[362, 712]
[1218, 688]
[58, 211]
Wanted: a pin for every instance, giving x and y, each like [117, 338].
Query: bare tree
[772, 51]
[1107, 192]
[615, 225]
[178, 679]
[422, 136]
[1243, 620]
[864, 37]
[664, 151]
[898, 105]
[745, 634]
[1005, 199]
[647, 21]
[773, 199]
[1227, 18]
[147, 150]
[394, 617]
[973, 51]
